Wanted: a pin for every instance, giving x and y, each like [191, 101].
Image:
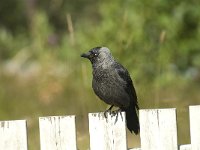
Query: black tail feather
[132, 120]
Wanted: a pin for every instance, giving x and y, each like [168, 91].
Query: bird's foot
[117, 112]
[108, 111]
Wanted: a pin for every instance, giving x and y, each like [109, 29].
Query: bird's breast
[108, 88]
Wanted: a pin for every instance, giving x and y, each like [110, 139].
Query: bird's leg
[116, 111]
[108, 110]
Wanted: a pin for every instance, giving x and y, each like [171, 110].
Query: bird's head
[98, 55]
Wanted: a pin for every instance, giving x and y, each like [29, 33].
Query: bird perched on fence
[112, 84]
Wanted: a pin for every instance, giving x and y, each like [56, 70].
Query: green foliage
[13, 15]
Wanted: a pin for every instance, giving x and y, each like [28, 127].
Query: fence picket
[185, 147]
[57, 132]
[195, 126]
[107, 133]
[158, 130]
[13, 135]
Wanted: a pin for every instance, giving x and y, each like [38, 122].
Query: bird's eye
[95, 54]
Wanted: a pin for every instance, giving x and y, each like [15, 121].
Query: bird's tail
[132, 120]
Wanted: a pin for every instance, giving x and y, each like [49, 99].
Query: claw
[108, 111]
[105, 113]
[117, 112]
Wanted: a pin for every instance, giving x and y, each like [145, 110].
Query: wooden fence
[158, 131]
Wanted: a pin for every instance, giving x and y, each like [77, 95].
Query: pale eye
[95, 54]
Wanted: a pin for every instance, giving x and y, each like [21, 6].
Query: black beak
[86, 55]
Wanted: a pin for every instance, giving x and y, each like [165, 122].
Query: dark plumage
[112, 84]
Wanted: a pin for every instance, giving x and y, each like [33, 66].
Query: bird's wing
[129, 88]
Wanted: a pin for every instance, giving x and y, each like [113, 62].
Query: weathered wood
[135, 149]
[195, 126]
[13, 135]
[185, 147]
[57, 133]
[181, 147]
[107, 133]
[158, 129]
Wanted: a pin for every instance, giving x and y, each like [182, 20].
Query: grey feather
[112, 84]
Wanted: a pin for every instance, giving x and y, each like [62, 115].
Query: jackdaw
[112, 84]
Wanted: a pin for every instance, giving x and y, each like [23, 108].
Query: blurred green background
[42, 73]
